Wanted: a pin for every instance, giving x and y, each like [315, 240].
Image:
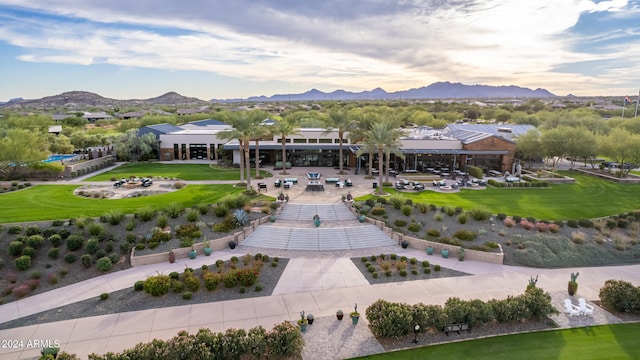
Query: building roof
[469, 136]
[164, 128]
[493, 129]
[208, 122]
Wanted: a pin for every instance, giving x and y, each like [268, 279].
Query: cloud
[357, 44]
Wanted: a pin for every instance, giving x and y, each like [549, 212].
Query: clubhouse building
[490, 147]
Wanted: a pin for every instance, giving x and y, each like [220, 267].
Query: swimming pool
[53, 158]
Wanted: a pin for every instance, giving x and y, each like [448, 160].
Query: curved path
[319, 282]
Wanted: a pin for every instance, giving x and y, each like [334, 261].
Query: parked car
[145, 182]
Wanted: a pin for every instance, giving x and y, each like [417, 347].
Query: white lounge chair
[585, 308]
[570, 309]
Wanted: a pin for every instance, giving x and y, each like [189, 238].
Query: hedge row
[621, 296]
[388, 319]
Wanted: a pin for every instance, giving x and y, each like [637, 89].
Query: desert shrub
[414, 227]
[157, 285]
[436, 267]
[86, 260]
[554, 228]
[517, 218]
[104, 264]
[23, 262]
[220, 210]
[387, 319]
[96, 229]
[52, 279]
[193, 215]
[53, 253]
[211, 280]
[35, 241]
[480, 213]
[449, 210]
[224, 226]
[55, 240]
[378, 210]
[585, 223]
[108, 247]
[464, 234]
[527, 225]
[138, 285]
[396, 200]
[191, 282]
[433, 232]
[113, 217]
[400, 223]
[542, 227]
[578, 237]
[173, 210]
[406, 210]
[145, 214]
[21, 291]
[438, 217]
[621, 296]
[14, 229]
[74, 242]
[15, 248]
[187, 295]
[92, 246]
[70, 258]
[188, 231]
[33, 230]
[29, 251]
[423, 208]
[130, 225]
[462, 218]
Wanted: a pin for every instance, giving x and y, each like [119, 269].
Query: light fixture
[416, 330]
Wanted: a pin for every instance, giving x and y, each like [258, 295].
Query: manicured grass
[594, 342]
[50, 202]
[188, 172]
[589, 197]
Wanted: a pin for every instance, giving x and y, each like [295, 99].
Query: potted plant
[444, 253]
[310, 319]
[272, 218]
[404, 244]
[316, 220]
[461, 254]
[355, 315]
[172, 257]
[192, 253]
[362, 218]
[430, 250]
[232, 244]
[50, 352]
[207, 248]
[339, 314]
[281, 197]
[573, 285]
[302, 322]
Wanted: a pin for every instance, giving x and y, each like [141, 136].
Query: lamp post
[416, 330]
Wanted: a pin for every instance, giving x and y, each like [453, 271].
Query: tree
[528, 146]
[245, 128]
[60, 144]
[622, 147]
[581, 143]
[340, 121]
[284, 127]
[132, 147]
[379, 137]
[554, 145]
[20, 147]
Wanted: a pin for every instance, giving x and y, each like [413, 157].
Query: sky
[222, 49]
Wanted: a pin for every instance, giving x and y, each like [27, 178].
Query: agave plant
[240, 217]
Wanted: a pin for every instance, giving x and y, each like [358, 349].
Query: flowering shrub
[542, 227]
[526, 224]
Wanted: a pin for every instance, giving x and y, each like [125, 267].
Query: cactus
[574, 276]
[533, 281]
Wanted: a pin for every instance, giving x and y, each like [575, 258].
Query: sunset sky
[233, 49]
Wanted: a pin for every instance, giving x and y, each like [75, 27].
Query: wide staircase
[339, 230]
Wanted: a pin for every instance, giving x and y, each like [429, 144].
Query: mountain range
[439, 90]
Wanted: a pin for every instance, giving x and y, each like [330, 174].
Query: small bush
[35, 241]
[14, 229]
[462, 218]
[86, 260]
[15, 248]
[104, 264]
[578, 237]
[145, 214]
[92, 246]
[193, 215]
[96, 229]
[74, 242]
[433, 232]
[70, 258]
[465, 235]
[113, 217]
[406, 210]
[480, 213]
[378, 210]
[436, 267]
[400, 223]
[138, 286]
[29, 251]
[23, 262]
[55, 240]
[104, 296]
[157, 285]
[414, 227]
[52, 279]
[187, 295]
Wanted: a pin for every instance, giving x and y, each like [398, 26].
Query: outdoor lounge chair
[585, 308]
[570, 309]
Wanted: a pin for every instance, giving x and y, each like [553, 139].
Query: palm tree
[259, 133]
[383, 138]
[364, 121]
[244, 125]
[340, 121]
[284, 127]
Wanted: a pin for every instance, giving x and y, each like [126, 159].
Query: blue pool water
[53, 158]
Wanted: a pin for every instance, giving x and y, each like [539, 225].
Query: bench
[331, 180]
[455, 327]
[291, 180]
[262, 186]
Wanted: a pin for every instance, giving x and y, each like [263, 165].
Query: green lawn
[50, 202]
[589, 197]
[594, 342]
[188, 172]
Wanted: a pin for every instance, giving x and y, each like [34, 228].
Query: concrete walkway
[317, 282]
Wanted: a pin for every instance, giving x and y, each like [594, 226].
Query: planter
[339, 314]
[354, 319]
[172, 257]
[303, 327]
[362, 218]
[316, 222]
[192, 254]
[572, 288]
[461, 255]
[429, 250]
[310, 319]
[232, 244]
[445, 253]
[272, 218]
[207, 251]
[404, 244]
